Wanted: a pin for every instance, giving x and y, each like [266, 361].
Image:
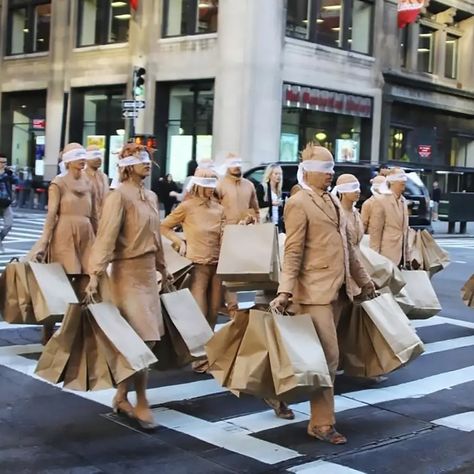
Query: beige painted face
[236, 171]
[398, 187]
[352, 197]
[318, 180]
[76, 165]
[94, 164]
[142, 170]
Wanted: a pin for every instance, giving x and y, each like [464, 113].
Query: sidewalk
[440, 229]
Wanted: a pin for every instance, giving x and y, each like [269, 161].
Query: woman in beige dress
[129, 238]
[71, 221]
[202, 219]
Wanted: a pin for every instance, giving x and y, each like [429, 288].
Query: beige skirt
[135, 293]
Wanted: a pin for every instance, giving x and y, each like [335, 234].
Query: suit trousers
[206, 288]
[325, 319]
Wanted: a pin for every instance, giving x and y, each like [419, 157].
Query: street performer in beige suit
[368, 206]
[388, 227]
[319, 258]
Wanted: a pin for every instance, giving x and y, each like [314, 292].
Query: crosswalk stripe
[461, 421]
[322, 467]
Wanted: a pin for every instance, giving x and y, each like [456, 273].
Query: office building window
[451, 58]
[28, 26]
[346, 24]
[103, 22]
[426, 49]
[189, 17]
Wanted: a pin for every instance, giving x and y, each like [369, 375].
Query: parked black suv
[416, 192]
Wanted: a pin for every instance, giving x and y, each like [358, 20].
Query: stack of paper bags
[94, 349]
[425, 253]
[467, 292]
[269, 356]
[377, 338]
[249, 257]
[420, 291]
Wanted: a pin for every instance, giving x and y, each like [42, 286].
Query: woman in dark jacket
[270, 195]
[167, 190]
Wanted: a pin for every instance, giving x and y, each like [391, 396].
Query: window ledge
[182, 39]
[330, 50]
[100, 47]
[13, 57]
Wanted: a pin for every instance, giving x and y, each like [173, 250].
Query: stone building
[256, 77]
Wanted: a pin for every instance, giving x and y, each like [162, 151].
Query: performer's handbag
[224, 345]
[249, 254]
[75, 374]
[420, 290]
[415, 249]
[252, 372]
[467, 292]
[51, 291]
[402, 298]
[297, 359]
[434, 257]
[56, 353]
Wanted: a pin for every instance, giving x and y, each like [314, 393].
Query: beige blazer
[320, 255]
[366, 211]
[388, 228]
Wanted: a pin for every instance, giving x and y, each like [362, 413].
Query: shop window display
[28, 25]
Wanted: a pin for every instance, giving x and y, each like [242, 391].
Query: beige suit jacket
[366, 211]
[388, 228]
[320, 255]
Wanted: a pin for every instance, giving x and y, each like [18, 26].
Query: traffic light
[148, 140]
[139, 82]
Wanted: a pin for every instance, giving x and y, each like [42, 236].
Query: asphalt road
[419, 421]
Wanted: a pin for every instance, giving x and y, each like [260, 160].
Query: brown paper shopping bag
[252, 372]
[75, 374]
[297, 360]
[224, 345]
[176, 264]
[394, 326]
[51, 291]
[125, 351]
[467, 292]
[415, 249]
[9, 304]
[56, 353]
[188, 319]
[249, 253]
[434, 257]
[98, 373]
[378, 267]
[420, 290]
[402, 298]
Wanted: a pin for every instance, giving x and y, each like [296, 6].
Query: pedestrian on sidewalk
[320, 257]
[167, 192]
[368, 205]
[436, 198]
[202, 219]
[129, 238]
[71, 222]
[388, 227]
[7, 180]
[98, 179]
[270, 195]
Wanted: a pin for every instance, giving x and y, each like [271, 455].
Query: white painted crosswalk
[456, 243]
[241, 433]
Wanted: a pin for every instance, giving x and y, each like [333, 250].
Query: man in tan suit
[388, 226]
[98, 179]
[367, 207]
[319, 259]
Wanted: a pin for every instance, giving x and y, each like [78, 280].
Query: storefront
[183, 124]
[96, 119]
[438, 142]
[22, 135]
[339, 121]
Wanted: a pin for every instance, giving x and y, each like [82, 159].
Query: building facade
[256, 77]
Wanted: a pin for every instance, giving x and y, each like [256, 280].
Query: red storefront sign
[326, 101]
[424, 151]
[39, 124]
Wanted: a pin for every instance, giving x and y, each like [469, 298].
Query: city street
[420, 420]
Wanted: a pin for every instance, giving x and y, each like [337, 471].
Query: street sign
[129, 114]
[133, 104]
